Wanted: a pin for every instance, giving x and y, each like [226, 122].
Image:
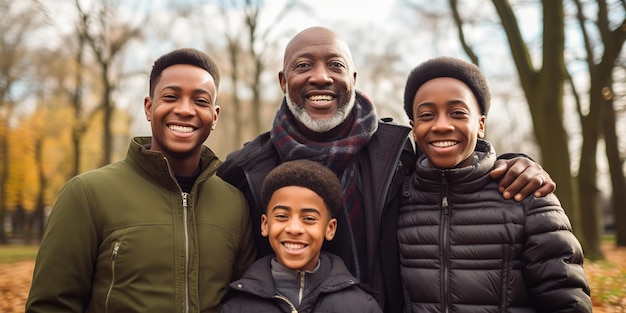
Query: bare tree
[600, 67]
[235, 52]
[544, 91]
[249, 49]
[107, 36]
[80, 123]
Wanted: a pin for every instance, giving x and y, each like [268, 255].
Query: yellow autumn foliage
[53, 129]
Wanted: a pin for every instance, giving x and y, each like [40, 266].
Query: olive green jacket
[125, 238]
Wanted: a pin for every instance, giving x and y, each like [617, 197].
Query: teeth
[181, 129]
[321, 98]
[293, 246]
[444, 144]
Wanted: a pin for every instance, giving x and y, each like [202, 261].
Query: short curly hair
[187, 56]
[308, 174]
[438, 67]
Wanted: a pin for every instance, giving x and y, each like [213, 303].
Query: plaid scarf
[340, 154]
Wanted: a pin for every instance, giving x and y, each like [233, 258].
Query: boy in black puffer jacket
[301, 199]
[464, 248]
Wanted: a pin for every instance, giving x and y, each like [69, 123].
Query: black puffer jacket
[464, 248]
[333, 289]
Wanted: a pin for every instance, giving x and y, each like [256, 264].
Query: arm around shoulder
[521, 176]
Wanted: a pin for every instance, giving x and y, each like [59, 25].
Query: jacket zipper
[184, 196]
[301, 291]
[186, 236]
[293, 308]
[445, 228]
[116, 248]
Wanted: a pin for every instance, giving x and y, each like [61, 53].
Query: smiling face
[297, 222]
[447, 122]
[318, 79]
[182, 111]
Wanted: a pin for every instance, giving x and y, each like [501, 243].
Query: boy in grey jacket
[302, 198]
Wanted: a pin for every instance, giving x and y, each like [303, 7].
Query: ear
[412, 123]
[264, 228]
[147, 108]
[283, 81]
[331, 228]
[481, 127]
[215, 116]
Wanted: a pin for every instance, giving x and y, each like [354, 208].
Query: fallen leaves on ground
[15, 281]
[607, 280]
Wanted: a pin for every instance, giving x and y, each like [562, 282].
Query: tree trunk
[234, 52]
[107, 113]
[600, 120]
[40, 203]
[256, 95]
[587, 175]
[77, 103]
[618, 181]
[4, 175]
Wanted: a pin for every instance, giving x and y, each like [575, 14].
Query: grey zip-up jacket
[332, 289]
[125, 238]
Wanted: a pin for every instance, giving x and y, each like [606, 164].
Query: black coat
[380, 177]
[334, 289]
[464, 248]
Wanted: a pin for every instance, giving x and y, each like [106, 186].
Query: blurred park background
[73, 75]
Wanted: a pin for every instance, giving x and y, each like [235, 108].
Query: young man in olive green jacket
[157, 231]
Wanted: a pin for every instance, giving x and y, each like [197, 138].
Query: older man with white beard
[325, 119]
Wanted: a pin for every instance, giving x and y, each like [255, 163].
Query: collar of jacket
[331, 276]
[154, 165]
[460, 179]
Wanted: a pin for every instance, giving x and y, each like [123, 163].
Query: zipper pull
[116, 248]
[184, 195]
[301, 291]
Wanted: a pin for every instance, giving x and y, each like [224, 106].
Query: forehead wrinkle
[317, 36]
[311, 56]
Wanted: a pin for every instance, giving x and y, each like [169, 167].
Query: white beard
[320, 125]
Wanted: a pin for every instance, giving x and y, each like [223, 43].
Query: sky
[362, 11]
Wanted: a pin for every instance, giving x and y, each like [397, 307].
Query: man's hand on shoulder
[522, 177]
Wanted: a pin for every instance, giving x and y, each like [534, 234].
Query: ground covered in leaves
[607, 279]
